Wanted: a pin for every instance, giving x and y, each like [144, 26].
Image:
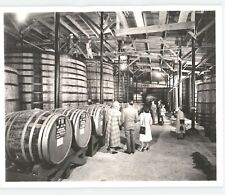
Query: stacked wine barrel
[36, 80]
[81, 124]
[11, 90]
[93, 82]
[98, 113]
[37, 136]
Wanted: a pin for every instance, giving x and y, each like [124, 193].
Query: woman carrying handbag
[145, 129]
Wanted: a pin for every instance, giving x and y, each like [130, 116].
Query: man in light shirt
[129, 120]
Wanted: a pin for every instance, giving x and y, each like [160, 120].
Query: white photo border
[121, 184]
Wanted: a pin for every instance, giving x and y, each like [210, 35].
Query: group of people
[128, 118]
[158, 112]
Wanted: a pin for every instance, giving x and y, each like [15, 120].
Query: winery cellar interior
[64, 70]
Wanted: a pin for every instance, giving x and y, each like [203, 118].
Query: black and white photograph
[120, 95]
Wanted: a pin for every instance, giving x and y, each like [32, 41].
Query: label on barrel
[60, 128]
[59, 141]
[82, 123]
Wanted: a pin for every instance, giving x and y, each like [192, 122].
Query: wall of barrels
[206, 105]
[36, 80]
[93, 80]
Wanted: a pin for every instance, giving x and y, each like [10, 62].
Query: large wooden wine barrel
[81, 123]
[37, 136]
[36, 80]
[121, 97]
[11, 90]
[97, 112]
[206, 103]
[93, 76]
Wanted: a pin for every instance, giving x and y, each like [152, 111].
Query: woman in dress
[145, 121]
[113, 127]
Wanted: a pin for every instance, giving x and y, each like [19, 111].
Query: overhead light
[21, 16]
[123, 67]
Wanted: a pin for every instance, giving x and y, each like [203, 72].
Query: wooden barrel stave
[11, 90]
[15, 135]
[206, 103]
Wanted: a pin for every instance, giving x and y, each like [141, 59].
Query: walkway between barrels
[168, 159]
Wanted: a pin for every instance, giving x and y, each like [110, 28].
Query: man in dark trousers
[129, 119]
[159, 107]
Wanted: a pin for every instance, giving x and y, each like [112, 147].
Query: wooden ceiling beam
[139, 18]
[211, 55]
[91, 23]
[170, 67]
[133, 61]
[44, 23]
[122, 19]
[29, 27]
[11, 32]
[40, 33]
[183, 16]
[78, 26]
[146, 36]
[13, 22]
[162, 17]
[82, 52]
[89, 26]
[155, 28]
[205, 28]
[69, 28]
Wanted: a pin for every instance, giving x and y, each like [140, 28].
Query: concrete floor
[167, 159]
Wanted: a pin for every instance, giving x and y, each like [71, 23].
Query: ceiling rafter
[122, 19]
[155, 28]
[69, 28]
[91, 23]
[89, 26]
[183, 16]
[162, 17]
[77, 25]
[146, 36]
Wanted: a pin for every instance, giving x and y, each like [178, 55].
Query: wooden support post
[101, 61]
[193, 85]
[136, 88]
[57, 62]
[128, 84]
[128, 79]
[119, 72]
[133, 84]
[150, 77]
[168, 94]
[123, 89]
[180, 83]
[173, 95]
